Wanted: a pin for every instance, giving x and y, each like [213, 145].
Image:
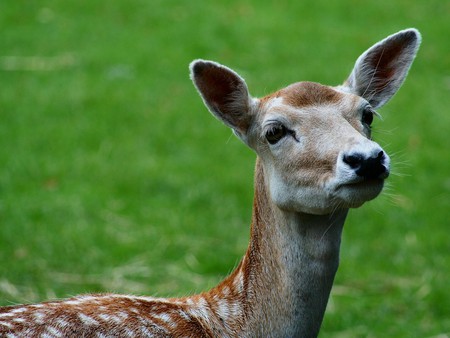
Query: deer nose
[367, 167]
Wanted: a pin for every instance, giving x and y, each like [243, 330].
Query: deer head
[314, 141]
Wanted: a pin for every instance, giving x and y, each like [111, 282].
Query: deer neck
[285, 277]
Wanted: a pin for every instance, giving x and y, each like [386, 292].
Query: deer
[315, 160]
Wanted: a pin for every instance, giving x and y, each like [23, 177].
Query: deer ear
[380, 71]
[225, 94]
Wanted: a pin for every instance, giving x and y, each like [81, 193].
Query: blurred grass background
[113, 176]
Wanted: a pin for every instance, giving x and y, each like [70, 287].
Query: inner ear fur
[380, 71]
[224, 92]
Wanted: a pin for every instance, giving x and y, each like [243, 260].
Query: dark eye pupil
[367, 117]
[276, 133]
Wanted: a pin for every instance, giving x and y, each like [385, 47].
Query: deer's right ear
[225, 94]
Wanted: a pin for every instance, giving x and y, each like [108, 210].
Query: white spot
[173, 324]
[226, 291]
[54, 331]
[62, 322]
[185, 316]
[105, 317]
[129, 333]
[202, 302]
[164, 317]
[18, 320]
[124, 302]
[201, 309]
[239, 283]
[116, 319]
[223, 309]
[132, 298]
[150, 299]
[123, 315]
[145, 331]
[87, 320]
[19, 310]
[87, 298]
[39, 317]
[8, 314]
[101, 335]
[235, 308]
[146, 321]
[11, 335]
[81, 299]
[133, 309]
[8, 325]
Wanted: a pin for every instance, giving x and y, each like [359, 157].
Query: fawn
[315, 160]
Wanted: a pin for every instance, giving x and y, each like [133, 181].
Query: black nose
[367, 167]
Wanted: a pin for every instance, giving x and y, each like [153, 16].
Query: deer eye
[367, 116]
[276, 133]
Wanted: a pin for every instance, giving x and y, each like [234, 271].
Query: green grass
[113, 176]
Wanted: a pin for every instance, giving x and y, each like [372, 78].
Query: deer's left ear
[225, 94]
[380, 71]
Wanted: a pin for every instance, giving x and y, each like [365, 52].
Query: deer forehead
[302, 94]
[309, 99]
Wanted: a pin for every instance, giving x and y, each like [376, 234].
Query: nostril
[354, 161]
[367, 167]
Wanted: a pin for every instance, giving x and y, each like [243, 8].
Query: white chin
[356, 194]
[319, 201]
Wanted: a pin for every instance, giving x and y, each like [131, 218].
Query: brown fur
[304, 94]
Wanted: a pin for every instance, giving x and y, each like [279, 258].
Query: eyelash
[277, 132]
[367, 116]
